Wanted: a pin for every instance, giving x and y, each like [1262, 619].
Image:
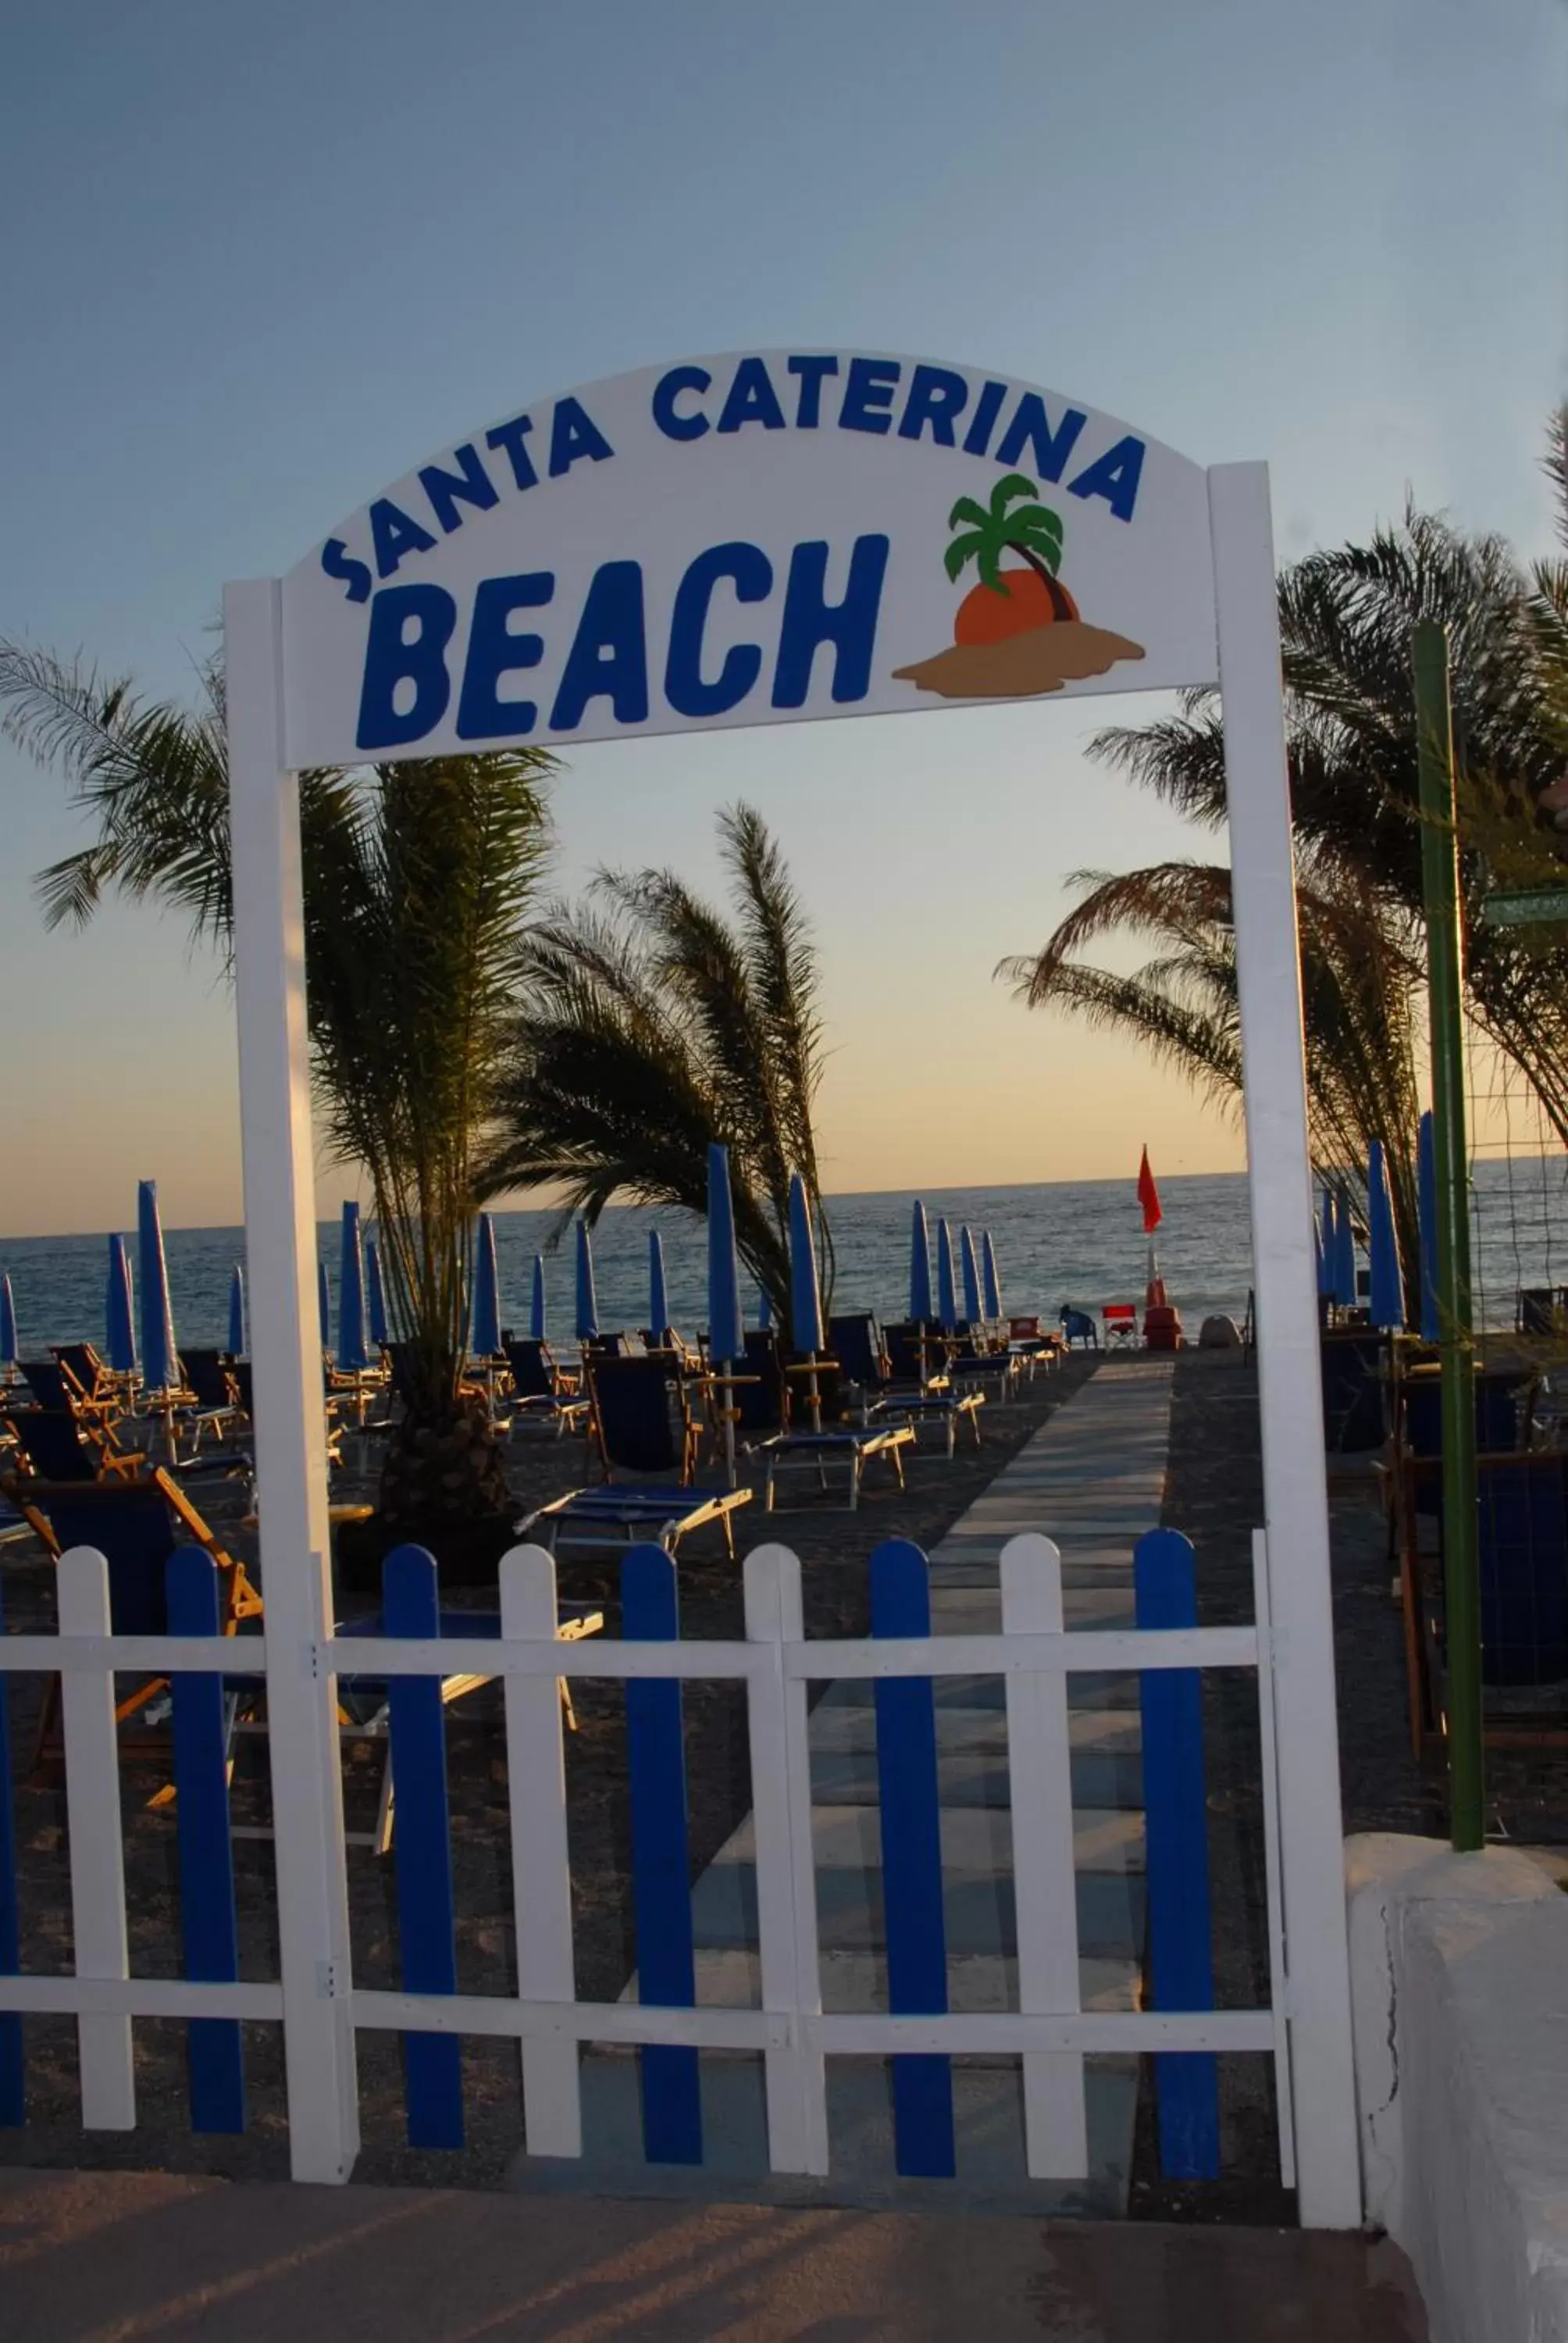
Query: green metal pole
[1440, 886]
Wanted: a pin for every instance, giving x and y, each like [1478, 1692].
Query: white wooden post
[1039, 1769]
[786, 1864]
[290, 1427]
[1289, 1391]
[541, 1859]
[98, 1853]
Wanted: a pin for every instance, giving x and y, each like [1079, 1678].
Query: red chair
[1119, 1320]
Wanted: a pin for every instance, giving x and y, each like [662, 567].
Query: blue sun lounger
[891, 1399]
[613, 1516]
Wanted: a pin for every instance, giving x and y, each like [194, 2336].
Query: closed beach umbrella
[657, 1296]
[157, 1317]
[485, 1339]
[236, 1337]
[970, 1276]
[764, 1308]
[374, 1291]
[991, 1282]
[587, 1300]
[726, 1328]
[1326, 1241]
[324, 1303]
[805, 1298]
[1426, 1201]
[353, 1355]
[1344, 1255]
[537, 1317]
[1386, 1297]
[947, 1299]
[921, 1309]
[7, 1324]
[119, 1311]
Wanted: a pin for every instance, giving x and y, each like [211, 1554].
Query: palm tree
[419, 878]
[1361, 973]
[1032, 531]
[652, 1025]
[1346, 616]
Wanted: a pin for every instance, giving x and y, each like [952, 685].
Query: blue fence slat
[1181, 1966]
[912, 1865]
[426, 1921]
[13, 2090]
[209, 1929]
[661, 1862]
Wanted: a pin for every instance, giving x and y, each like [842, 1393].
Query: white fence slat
[1279, 1982]
[1039, 1764]
[786, 1873]
[97, 1857]
[541, 1861]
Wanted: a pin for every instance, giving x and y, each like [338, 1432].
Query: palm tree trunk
[1061, 609]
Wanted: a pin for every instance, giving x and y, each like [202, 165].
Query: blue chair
[859, 1347]
[544, 1396]
[1078, 1327]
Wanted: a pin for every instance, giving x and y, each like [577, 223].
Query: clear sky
[258, 262]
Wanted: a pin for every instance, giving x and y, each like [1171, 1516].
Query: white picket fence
[1049, 2031]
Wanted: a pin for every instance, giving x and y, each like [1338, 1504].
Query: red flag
[1149, 1196]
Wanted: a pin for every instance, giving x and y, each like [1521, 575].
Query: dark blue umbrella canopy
[119, 1311]
[1386, 1297]
[805, 1299]
[485, 1335]
[352, 1351]
[324, 1303]
[538, 1319]
[1426, 1202]
[157, 1345]
[992, 1282]
[376, 1293]
[657, 1291]
[764, 1309]
[238, 1345]
[1327, 1240]
[587, 1300]
[1344, 1255]
[970, 1276]
[7, 1324]
[920, 1305]
[947, 1299]
[726, 1327]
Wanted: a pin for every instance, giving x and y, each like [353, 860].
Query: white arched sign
[769, 538]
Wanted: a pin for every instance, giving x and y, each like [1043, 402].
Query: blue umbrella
[726, 1327]
[992, 1282]
[485, 1336]
[1326, 1242]
[920, 1266]
[537, 1319]
[324, 1303]
[1386, 1297]
[1344, 1255]
[1426, 1202]
[158, 1358]
[7, 1324]
[374, 1291]
[353, 1356]
[972, 1276]
[119, 1313]
[658, 1297]
[947, 1299]
[764, 1308]
[587, 1300]
[805, 1299]
[237, 1340]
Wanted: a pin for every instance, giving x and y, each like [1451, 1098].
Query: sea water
[1078, 1243]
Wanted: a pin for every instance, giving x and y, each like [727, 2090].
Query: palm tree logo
[1019, 598]
[1018, 632]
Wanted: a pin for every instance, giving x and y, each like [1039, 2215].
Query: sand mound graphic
[1043, 660]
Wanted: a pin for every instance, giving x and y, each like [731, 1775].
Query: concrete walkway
[123, 2258]
[1094, 1479]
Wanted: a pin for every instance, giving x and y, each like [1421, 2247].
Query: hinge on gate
[327, 1980]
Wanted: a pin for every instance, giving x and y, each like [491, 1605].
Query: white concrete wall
[1459, 1970]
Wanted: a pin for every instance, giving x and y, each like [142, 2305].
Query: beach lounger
[212, 1387]
[546, 1397]
[92, 1381]
[858, 1348]
[617, 1513]
[642, 1419]
[59, 1444]
[837, 1444]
